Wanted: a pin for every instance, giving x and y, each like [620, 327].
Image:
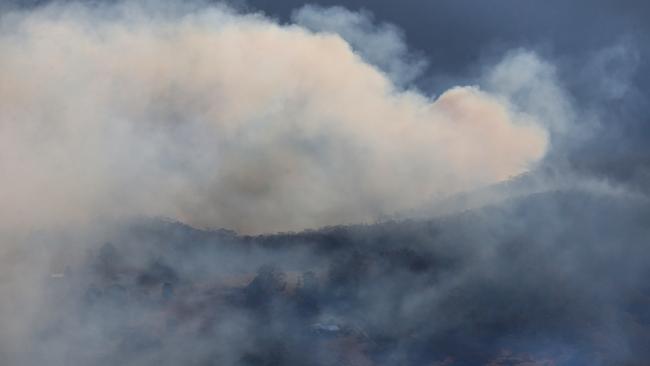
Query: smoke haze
[356, 182]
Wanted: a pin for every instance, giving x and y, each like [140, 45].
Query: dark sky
[454, 33]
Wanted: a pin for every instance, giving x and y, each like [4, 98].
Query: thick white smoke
[227, 120]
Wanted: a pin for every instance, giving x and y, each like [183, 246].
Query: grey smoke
[116, 113]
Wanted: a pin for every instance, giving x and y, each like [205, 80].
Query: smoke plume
[222, 119]
[152, 153]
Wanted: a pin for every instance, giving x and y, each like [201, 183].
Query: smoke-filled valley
[556, 278]
[249, 183]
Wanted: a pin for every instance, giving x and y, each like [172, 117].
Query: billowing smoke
[454, 227]
[221, 119]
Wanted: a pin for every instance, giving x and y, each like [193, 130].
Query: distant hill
[552, 278]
